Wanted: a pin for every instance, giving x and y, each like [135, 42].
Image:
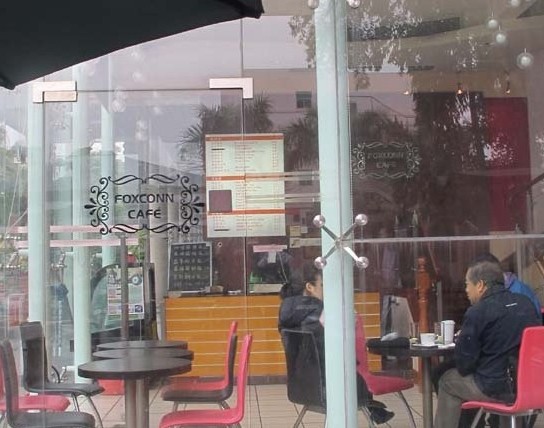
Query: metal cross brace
[339, 241]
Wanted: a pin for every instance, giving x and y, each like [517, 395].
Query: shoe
[380, 415]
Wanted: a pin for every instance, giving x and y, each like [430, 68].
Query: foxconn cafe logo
[117, 195]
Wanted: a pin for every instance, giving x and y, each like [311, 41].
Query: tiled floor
[268, 407]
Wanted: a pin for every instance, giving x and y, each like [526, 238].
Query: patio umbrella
[41, 37]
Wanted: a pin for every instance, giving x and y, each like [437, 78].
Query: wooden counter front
[204, 322]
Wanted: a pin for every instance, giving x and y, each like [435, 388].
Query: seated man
[490, 335]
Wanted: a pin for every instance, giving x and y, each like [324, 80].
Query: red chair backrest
[360, 346]
[530, 387]
[229, 356]
[241, 379]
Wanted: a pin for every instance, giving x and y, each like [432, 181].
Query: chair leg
[477, 418]
[512, 421]
[368, 416]
[76, 404]
[175, 406]
[408, 409]
[300, 416]
[95, 410]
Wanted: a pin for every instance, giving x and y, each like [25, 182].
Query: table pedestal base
[136, 403]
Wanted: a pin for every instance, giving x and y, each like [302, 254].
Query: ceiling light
[493, 23]
[525, 60]
[459, 88]
[500, 37]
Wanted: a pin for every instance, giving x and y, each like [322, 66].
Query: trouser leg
[455, 389]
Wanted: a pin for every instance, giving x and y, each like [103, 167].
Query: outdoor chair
[220, 417]
[378, 385]
[17, 417]
[529, 386]
[187, 391]
[35, 370]
[34, 403]
[305, 374]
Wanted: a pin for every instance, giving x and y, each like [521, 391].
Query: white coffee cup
[447, 328]
[427, 339]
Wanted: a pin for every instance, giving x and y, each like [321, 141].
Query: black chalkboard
[189, 266]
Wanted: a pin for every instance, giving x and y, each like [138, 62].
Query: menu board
[245, 185]
[190, 266]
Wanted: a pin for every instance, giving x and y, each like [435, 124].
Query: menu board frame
[190, 267]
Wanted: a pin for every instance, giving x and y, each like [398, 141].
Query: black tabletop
[412, 351]
[144, 352]
[134, 368]
[143, 344]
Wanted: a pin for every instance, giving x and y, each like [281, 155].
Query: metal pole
[334, 158]
[124, 287]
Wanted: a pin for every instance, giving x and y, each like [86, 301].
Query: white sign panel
[244, 185]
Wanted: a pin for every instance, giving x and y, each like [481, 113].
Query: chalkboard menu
[190, 266]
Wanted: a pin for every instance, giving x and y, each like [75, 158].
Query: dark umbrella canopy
[40, 37]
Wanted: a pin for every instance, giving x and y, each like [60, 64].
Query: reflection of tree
[301, 148]
[451, 135]
[224, 119]
[381, 33]
[12, 181]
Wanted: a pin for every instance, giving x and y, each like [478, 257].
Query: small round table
[135, 371]
[425, 354]
[144, 352]
[143, 344]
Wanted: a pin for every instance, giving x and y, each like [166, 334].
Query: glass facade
[425, 116]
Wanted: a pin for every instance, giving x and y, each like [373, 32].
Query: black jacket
[490, 334]
[300, 312]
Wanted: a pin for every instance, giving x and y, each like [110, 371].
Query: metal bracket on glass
[340, 241]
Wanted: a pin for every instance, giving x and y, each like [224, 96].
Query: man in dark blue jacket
[490, 335]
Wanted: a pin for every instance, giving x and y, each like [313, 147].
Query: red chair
[33, 403]
[200, 390]
[530, 388]
[223, 417]
[377, 384]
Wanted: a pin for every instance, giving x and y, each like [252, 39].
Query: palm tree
[223, 119]
[301, 144]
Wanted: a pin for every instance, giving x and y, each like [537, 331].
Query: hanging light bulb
[313, 4]
[459, 89]
[507, 90]
[354, 3]
[525, 60]
[500, 37]
[492, 23]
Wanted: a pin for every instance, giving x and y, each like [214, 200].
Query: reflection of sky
[268, 43]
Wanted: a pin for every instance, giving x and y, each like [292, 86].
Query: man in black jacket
[490, 335]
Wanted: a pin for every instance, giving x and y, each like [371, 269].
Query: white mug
[447, 328]
[427, 339]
